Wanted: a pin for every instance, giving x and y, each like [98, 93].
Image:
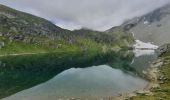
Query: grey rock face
[153, 27]
[163, 49]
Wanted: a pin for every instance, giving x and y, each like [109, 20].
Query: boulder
[163, 49]
[1, 34]
[2, 44]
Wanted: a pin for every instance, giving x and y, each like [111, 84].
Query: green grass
[81, 45]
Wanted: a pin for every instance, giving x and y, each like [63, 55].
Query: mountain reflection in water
[108, 75]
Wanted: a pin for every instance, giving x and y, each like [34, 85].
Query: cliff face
[152, 27]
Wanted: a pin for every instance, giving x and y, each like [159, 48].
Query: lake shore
[152, 75]
[158, 88]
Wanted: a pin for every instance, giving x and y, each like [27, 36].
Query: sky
[93, 14]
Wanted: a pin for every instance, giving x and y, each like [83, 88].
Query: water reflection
[94, 82]
[18, 73]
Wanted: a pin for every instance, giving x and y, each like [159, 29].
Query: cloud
[94, 14]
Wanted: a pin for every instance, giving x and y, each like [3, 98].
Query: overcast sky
[94, 14]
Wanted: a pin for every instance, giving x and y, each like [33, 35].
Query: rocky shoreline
[153, 74]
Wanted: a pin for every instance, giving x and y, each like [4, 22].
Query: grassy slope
[41, 36]
[89, 42]
[17, 47]
[162, 93]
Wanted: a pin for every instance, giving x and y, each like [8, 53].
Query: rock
[2, 44]
[163, 49]
[161, 82]
[155, 86]
[1, 34]
[160, 98]
[143, 92]
[132, 95]
[144, 72]
[59, 45]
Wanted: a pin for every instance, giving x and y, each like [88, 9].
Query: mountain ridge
[19, 30]
[152, 27]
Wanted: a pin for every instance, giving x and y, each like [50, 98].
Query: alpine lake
[57, 76]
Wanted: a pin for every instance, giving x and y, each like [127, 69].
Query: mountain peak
[152, 27]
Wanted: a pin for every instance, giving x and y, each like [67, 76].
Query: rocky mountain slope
[153, 27]
[22, 32]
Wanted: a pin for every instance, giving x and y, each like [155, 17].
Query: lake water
[99, 80]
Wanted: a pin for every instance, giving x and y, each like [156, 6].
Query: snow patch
[142, 45]
[146, 22]
[142, 48]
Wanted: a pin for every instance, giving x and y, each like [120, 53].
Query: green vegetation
[24, 33]
[17, 47]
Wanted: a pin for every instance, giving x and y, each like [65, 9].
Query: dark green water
[54, 76]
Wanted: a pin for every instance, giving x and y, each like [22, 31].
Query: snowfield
[142, 48]
[142, 45]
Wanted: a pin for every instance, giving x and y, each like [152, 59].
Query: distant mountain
[152, 27]
[22, 32]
